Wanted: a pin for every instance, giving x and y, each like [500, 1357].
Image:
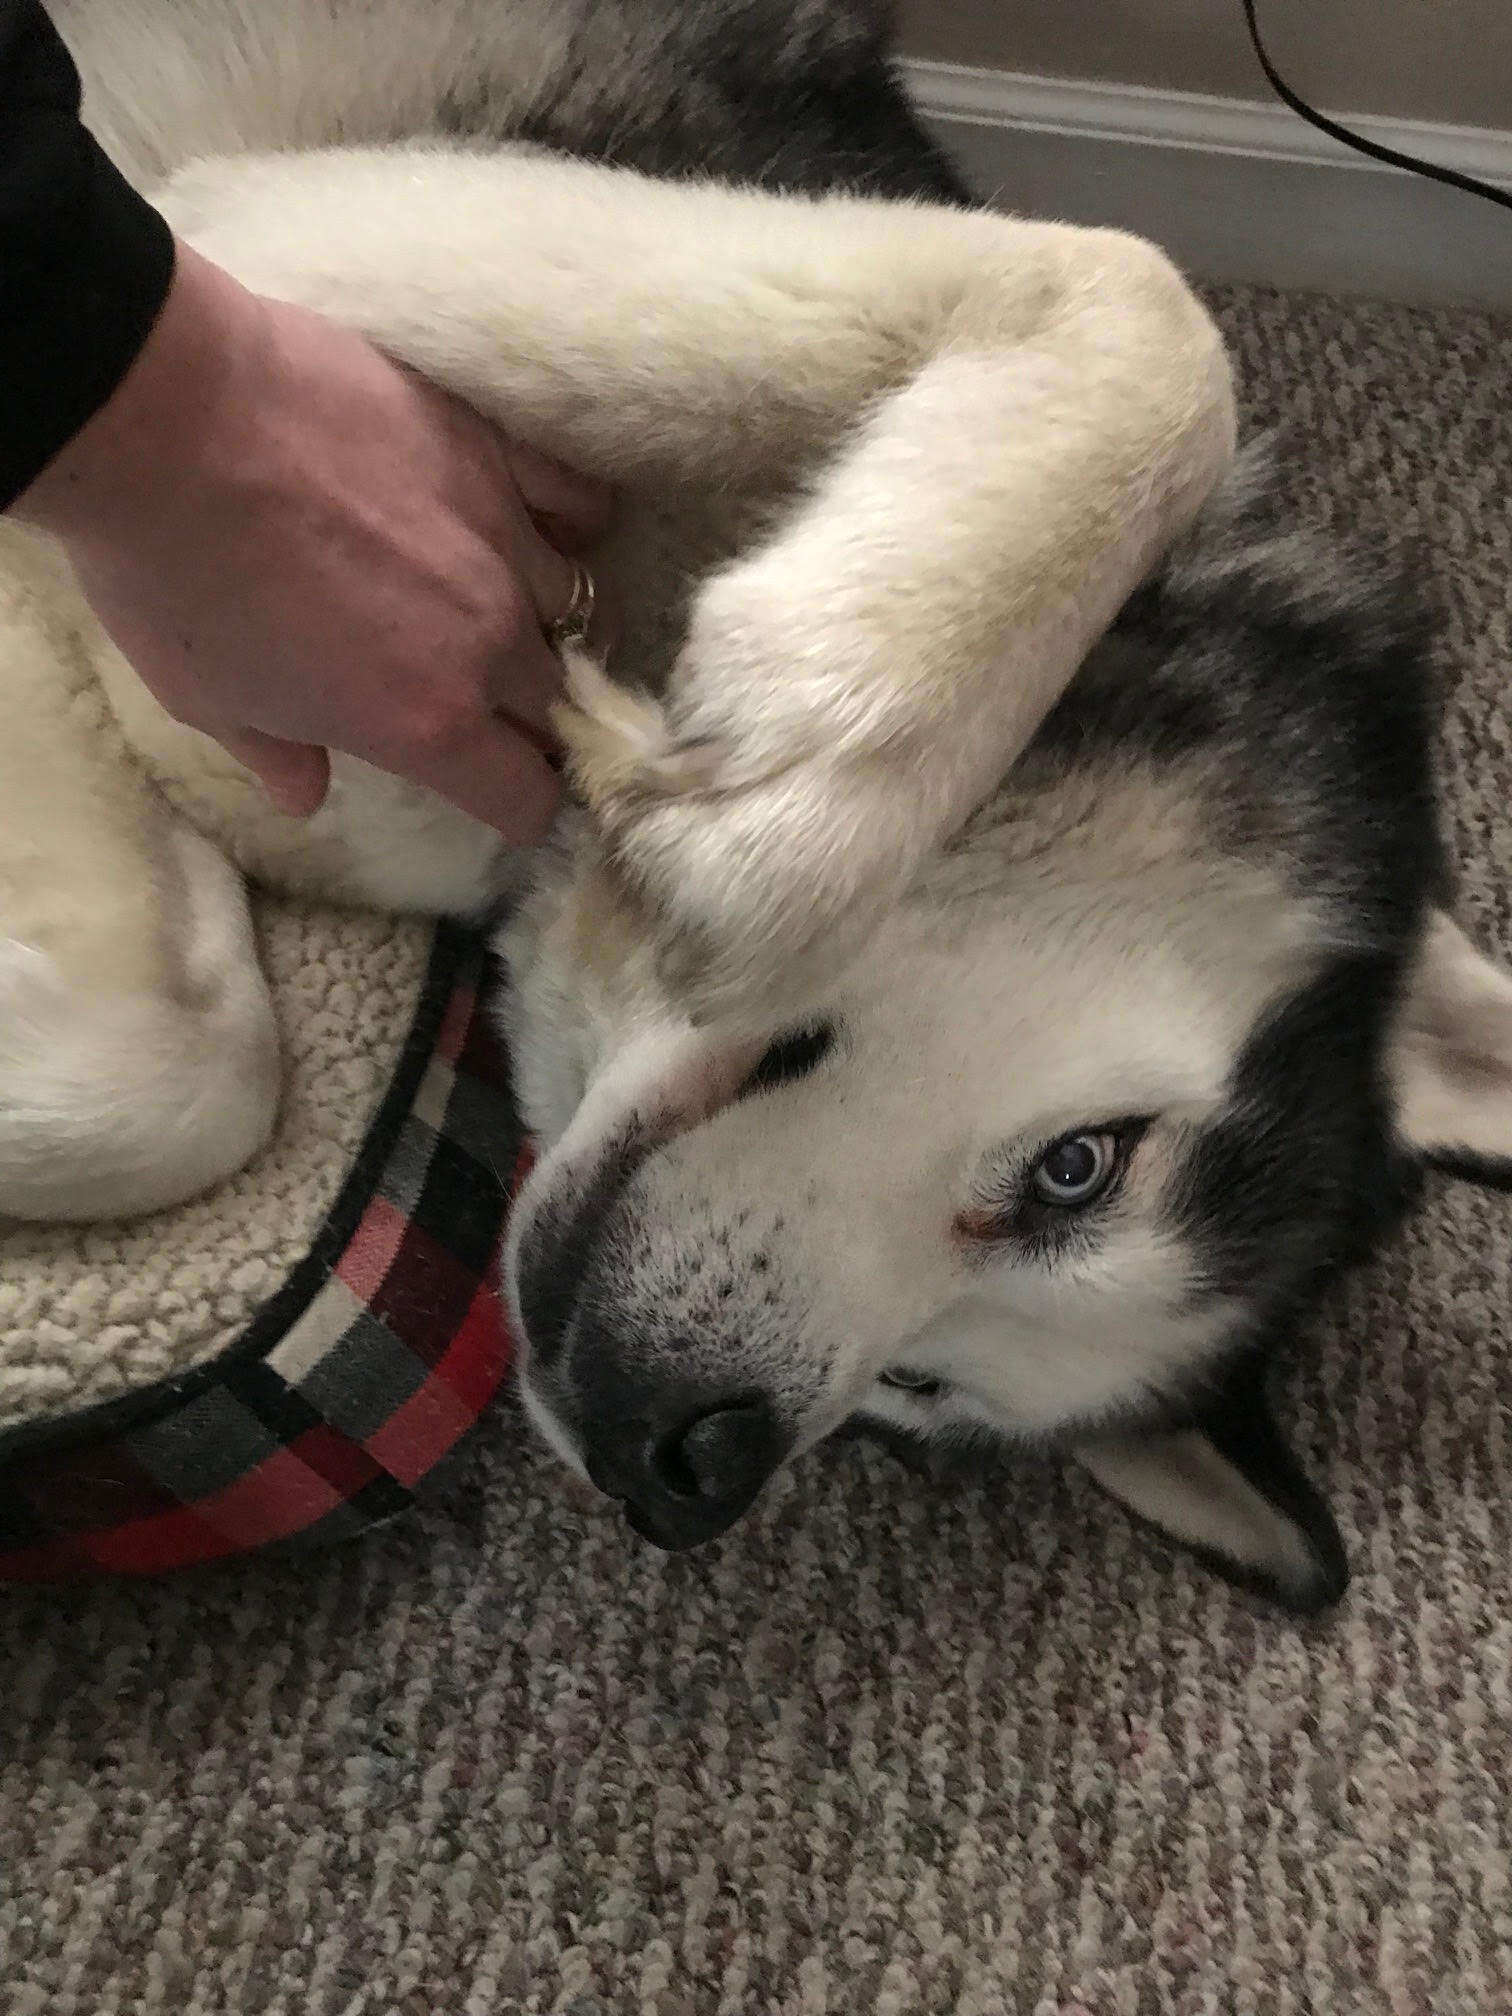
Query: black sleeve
[85, 262]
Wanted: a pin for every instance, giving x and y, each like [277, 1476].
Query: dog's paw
[760, 850]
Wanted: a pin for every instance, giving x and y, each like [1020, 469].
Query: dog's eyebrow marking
[791, 1057]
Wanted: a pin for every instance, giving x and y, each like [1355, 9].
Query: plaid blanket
[353, 1381]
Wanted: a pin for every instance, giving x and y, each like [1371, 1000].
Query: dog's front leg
[1000, 424]
[852, 690]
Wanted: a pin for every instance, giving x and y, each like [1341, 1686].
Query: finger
[295, 775]
[497, 777]
[527, 681]
[556, 585]
[572, 511]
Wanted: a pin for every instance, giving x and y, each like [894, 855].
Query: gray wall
[1417, 59]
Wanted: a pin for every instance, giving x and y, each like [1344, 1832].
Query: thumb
[572, 511]
[295, 775]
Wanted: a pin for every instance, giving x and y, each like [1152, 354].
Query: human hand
[299, 545]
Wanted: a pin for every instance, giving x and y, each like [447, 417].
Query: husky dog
[906, 1037]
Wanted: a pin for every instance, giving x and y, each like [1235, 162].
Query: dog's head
[1149, 1053]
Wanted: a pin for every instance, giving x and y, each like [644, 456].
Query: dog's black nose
[685, 1472]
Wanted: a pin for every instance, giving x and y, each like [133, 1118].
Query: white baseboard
[1234, 190]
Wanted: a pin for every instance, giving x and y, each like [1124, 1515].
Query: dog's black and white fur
[1199, 919]
[903, 1040]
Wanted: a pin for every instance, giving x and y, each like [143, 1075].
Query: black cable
[1469, 183]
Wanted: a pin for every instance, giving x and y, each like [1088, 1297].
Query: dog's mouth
[668, 1538]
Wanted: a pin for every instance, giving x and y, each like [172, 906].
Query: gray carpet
[895, 1747]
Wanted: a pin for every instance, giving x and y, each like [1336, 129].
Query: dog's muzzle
[666, 1419]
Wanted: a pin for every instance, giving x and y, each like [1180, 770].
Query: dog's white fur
[913, 461]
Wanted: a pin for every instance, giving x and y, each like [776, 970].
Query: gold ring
[572, 626]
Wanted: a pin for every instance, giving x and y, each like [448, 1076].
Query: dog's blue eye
[1076, 1170]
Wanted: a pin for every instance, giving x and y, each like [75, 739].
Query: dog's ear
[1226, 1486]
[1450, 1061]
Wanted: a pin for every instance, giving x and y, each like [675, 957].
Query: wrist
[150, 438]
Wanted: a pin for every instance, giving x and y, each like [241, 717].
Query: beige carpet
[894, 1747]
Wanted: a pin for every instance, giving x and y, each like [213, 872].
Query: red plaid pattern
[378, 1353]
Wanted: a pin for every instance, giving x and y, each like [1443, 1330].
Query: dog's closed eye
[903, 1379]
[791, 1057]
